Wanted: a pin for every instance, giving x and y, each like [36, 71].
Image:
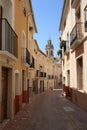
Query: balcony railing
[86, 26]
[25, 56]
[40, 74]
[37, 73]
[64, 48]
[8, 38]
[76, 33]
[50, 77]
[32, 64]
[44, 74]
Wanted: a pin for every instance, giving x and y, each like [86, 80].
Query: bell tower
[49, 48]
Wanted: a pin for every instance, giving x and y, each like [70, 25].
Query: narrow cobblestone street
[49, 111]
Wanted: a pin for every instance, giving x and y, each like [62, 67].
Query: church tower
[49, 48]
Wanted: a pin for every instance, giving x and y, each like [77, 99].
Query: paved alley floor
[49, 111]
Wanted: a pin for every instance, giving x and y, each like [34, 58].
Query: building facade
[24, 69]
[8, 57]
[53, 66]
[73, 27]
[17, 27]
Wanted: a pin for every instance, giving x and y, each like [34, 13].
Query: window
[47, 52]
[85, 13]
[64, 23]
[67, 36]
[23, 47]
[51, 53]
[67, 44]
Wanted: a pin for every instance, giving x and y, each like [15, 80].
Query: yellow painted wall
[20, 26]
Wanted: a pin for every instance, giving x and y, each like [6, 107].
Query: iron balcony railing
[64, 47]
[86, 26]
[40, 74]
[44, 74]
[37, 73]
[25, 56]
[76, 33]
[8, 38]
[50, 77]
[32, 64]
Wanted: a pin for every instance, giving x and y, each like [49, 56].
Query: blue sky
[47, 15]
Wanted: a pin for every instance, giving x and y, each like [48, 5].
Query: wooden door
[35, 86]
[4, 92]
[41, 86]
[68, 78]
[79, 73]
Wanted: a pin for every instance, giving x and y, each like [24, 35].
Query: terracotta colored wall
[17, 103]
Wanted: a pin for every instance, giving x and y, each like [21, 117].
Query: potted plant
[62, 44]
[59, 53]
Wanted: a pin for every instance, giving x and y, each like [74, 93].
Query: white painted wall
[85, 66]
[83, 5]
[70, 23]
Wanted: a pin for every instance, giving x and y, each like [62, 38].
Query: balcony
[45, 74]
[74, 3]
[65, 49]
[41, 74]
[85, 26]
[32, 64]
[25, 56]
[76, 35]
[60, 53]
[8, 40]
[37, 73]
[50, 77]
[85, 14]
